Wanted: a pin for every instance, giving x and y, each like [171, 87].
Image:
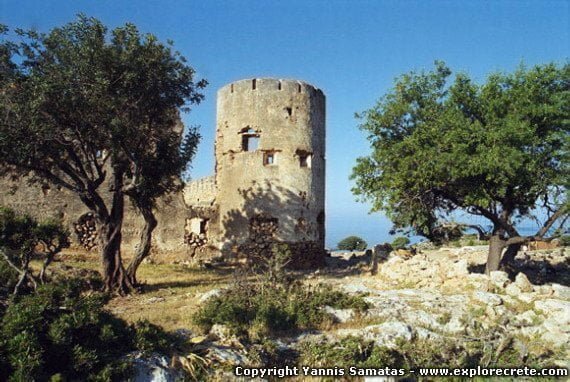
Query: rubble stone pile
[86, 231]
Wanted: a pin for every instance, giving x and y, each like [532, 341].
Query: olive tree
[97, 113]
[352, 243]
[497, 151]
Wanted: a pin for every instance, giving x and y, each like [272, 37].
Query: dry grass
[170, 292]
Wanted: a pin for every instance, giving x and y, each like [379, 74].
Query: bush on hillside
[400, 242]
[62, 332]
[23, 238]
[261, 304]
[352, 243]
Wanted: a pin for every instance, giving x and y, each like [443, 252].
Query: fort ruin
[268, 186]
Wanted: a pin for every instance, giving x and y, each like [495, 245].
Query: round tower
[270, 167]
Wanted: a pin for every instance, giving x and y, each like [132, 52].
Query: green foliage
[61, 332]
[150, 338]
[82, 105]
[352, 351]
[261, 309]
[352, 243]
[565, 240]
[496, 150]
[8, 279]
[21, 238]
[273, 302]
[400, 242]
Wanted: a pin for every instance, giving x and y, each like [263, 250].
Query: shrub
[565, 240]
[400, 242]
[260, 304]
[352, 351]
[352, 243]
[21, 238]
[253, 309]
[61, 332]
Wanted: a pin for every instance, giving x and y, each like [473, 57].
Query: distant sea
[374, 228]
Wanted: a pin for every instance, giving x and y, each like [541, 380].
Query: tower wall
[270, 162]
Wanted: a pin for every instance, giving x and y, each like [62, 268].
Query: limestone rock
[527, 297]
[522, 282]
[209, 294]
[459, 269]
[553, 305]
[561, 291]
[384, 334]
[499, 278]
[340, 315]
[488, 298]
[527, 318]
[227, 355]
[557, 339]
[513, 290]
[220, 331]
[155, 368]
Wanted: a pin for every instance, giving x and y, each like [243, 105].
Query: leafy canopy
[79, 101]
[497, 150]
[352, 243]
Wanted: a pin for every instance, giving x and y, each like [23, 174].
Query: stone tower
[269, 184]
[270, 166]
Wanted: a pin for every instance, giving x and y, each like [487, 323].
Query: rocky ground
[434, 295]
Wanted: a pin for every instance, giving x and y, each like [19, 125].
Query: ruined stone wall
[51, 202]
[269, 184]
[270, 162]
[200, 192]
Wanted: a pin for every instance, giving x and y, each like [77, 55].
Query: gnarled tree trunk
[143, 248]
[496, 246]
[110, 236]
[510, 254]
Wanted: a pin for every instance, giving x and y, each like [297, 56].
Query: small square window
[250, 142]
[305, 160]
[268, 159]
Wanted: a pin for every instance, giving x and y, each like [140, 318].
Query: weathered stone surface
[155, 368]
[487, 298]
[384, 334]
[561, 291]
[209, 294]
[340, 315]
[522, 282]
[513, 290]
[527, 318]
[499, 278]
[280, 179]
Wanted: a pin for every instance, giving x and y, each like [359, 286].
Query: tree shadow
[356, 264]
[539, 271]
[292, 214]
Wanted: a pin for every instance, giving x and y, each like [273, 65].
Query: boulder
[561, 291]
[340, 315]
[522, 282]
[487, 298]
[209, 294]
[499, 278]
[155, 368]
[513, 290]
[459, 269]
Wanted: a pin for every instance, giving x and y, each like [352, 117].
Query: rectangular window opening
[204, 226]
[305, 160]
[268, 158]
[250, 142]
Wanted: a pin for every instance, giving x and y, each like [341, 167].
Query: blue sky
[352, 50]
